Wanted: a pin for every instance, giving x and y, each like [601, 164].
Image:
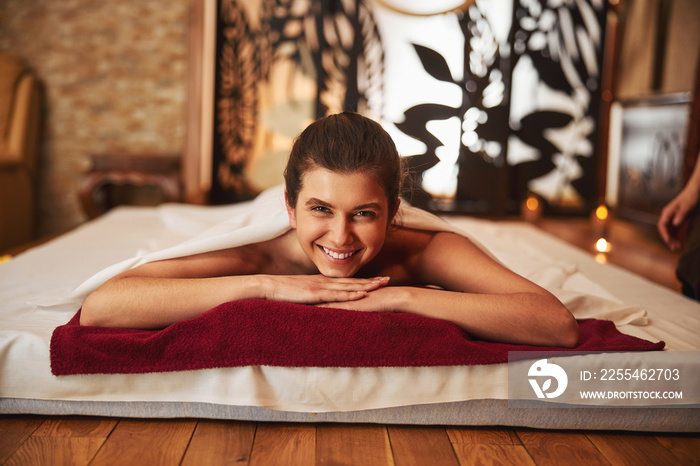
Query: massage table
[42, 288]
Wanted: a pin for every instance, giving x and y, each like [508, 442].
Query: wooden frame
[614, 34]
[647, 154]
[692, 145]
[197, 158]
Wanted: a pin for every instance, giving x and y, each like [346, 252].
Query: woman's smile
[339, 255]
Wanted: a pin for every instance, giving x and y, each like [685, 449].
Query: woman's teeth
[337, 255]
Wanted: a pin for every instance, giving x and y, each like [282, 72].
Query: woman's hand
[383, 299]
[674, 215]
[314, 289]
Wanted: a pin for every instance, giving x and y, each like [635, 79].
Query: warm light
[532, 203]
[601, 212]
[602, 245]
[5, 258]
[531, 208]
[601, 258]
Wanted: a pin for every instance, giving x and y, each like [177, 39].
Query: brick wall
[115, 79]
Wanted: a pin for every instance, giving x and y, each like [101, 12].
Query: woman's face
[341, 220]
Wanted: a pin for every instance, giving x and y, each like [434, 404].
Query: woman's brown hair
[345, 143]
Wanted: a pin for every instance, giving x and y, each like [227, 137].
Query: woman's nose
[341, 233]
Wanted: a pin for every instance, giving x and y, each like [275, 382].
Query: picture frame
[646, 159]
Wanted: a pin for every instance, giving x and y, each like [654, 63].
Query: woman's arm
[484, 298]
[518, 318]
[158, 294]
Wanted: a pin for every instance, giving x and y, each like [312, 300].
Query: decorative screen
[487, 101]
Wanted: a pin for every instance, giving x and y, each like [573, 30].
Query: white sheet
[590, 289]
[260, 220]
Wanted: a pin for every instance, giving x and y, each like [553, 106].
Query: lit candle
[602, 245]
[531, 208]
[600, 220]
[601, 212]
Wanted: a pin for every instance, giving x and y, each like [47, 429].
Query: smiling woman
[341, 222]
[344, 249]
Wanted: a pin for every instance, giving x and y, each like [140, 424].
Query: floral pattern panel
[488, 100]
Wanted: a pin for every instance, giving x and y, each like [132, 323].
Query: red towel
[270, 333]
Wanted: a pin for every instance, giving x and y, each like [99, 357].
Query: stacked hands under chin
[360, 294]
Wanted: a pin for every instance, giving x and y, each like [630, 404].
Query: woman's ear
[291, 212]
[396, 210]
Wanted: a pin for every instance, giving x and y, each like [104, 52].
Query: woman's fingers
[318, 288]
[344, 289]
[377, 300]
[356, 283]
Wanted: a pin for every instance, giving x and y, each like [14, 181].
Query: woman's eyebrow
[371, 205]
[314, 201]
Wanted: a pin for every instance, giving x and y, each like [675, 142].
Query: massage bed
[265, 361]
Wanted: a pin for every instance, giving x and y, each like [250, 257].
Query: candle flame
[532, 203]
[601, 212]
[602, 245]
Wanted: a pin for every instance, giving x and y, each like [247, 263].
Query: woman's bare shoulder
[446, 245]
[425, 251]
[402, 241]
[279, 255]
[414, 241]
[247, 259]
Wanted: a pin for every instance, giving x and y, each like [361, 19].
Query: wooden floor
[26, 440]
[41, 440]
[634, 247]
